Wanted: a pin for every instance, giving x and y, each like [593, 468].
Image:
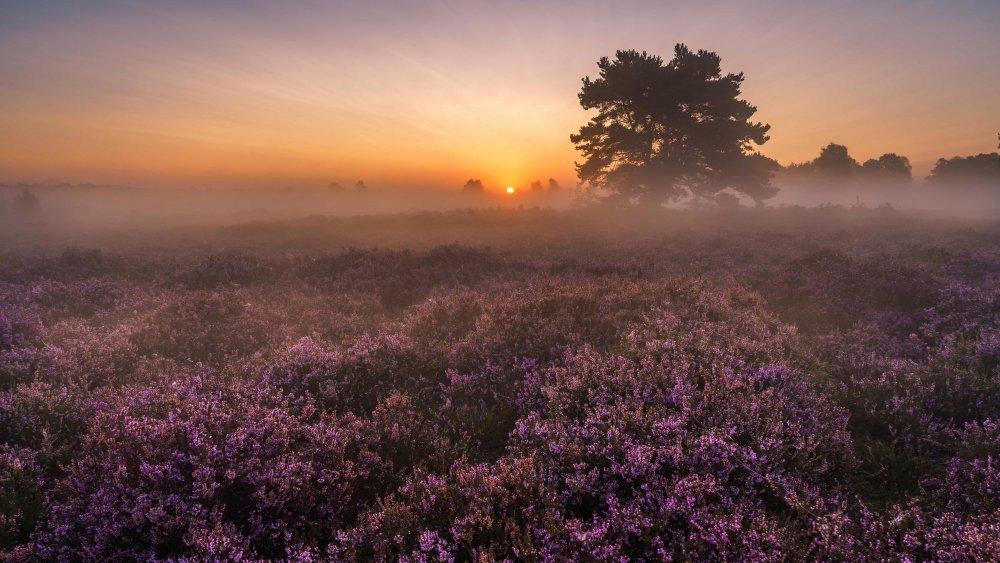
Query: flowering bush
[21, 491]
[203, 327]
[759, 397]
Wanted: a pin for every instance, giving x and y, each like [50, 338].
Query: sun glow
[510, 189]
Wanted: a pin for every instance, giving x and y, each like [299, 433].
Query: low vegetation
[785, 391]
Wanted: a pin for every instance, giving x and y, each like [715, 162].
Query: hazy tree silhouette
[27, 202]
[833, 167]
[835, 159]
[834, 163]
[473, 186]
[553, 185]
[889, 167]
[361, 186]
[537, 187]
[667, 130]
[335, 187]
[981, 169]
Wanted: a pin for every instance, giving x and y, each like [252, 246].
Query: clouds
[390, 87]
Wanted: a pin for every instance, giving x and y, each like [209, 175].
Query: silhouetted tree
[981, 169]
[537, 187]
[664, 131]
[889, 167]
[833, 167]
[553, 185]
[335, 187]
[473, 186]
[835, 163]
[361, 186]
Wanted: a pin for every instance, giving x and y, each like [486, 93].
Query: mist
[326, 218]
[961, 199]
[71, 212]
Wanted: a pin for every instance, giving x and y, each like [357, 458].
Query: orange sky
[433, 93]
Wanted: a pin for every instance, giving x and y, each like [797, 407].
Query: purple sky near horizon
[432, 93]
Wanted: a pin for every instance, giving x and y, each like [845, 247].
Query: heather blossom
[748, 398]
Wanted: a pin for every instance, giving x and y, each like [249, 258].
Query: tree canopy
[664, 131]
[835, 162]
[836, 167]
[889, 167]
[474, 186]
[981, 169]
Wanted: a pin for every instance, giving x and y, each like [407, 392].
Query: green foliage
[669, 130]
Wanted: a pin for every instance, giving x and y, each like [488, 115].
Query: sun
[510, 189]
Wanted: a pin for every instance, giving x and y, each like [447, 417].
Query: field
[773, 384]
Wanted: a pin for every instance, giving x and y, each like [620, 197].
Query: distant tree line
[475, 186]
[982, 169]
[835, 165]
[669, 130]
[359, 186]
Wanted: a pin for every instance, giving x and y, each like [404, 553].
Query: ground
[491, 384]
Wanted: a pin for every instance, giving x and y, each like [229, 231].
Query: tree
[889, 167]
[553, 185]
[361, 186]
[981, 169]
[668, 130]
[537, 187]
[473, 186]
[834, 163]
[833, 167]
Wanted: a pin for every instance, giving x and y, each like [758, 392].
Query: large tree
[664, 131]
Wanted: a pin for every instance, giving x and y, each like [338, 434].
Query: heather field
[785, 384]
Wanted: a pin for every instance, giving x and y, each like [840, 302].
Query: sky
[298, 93]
